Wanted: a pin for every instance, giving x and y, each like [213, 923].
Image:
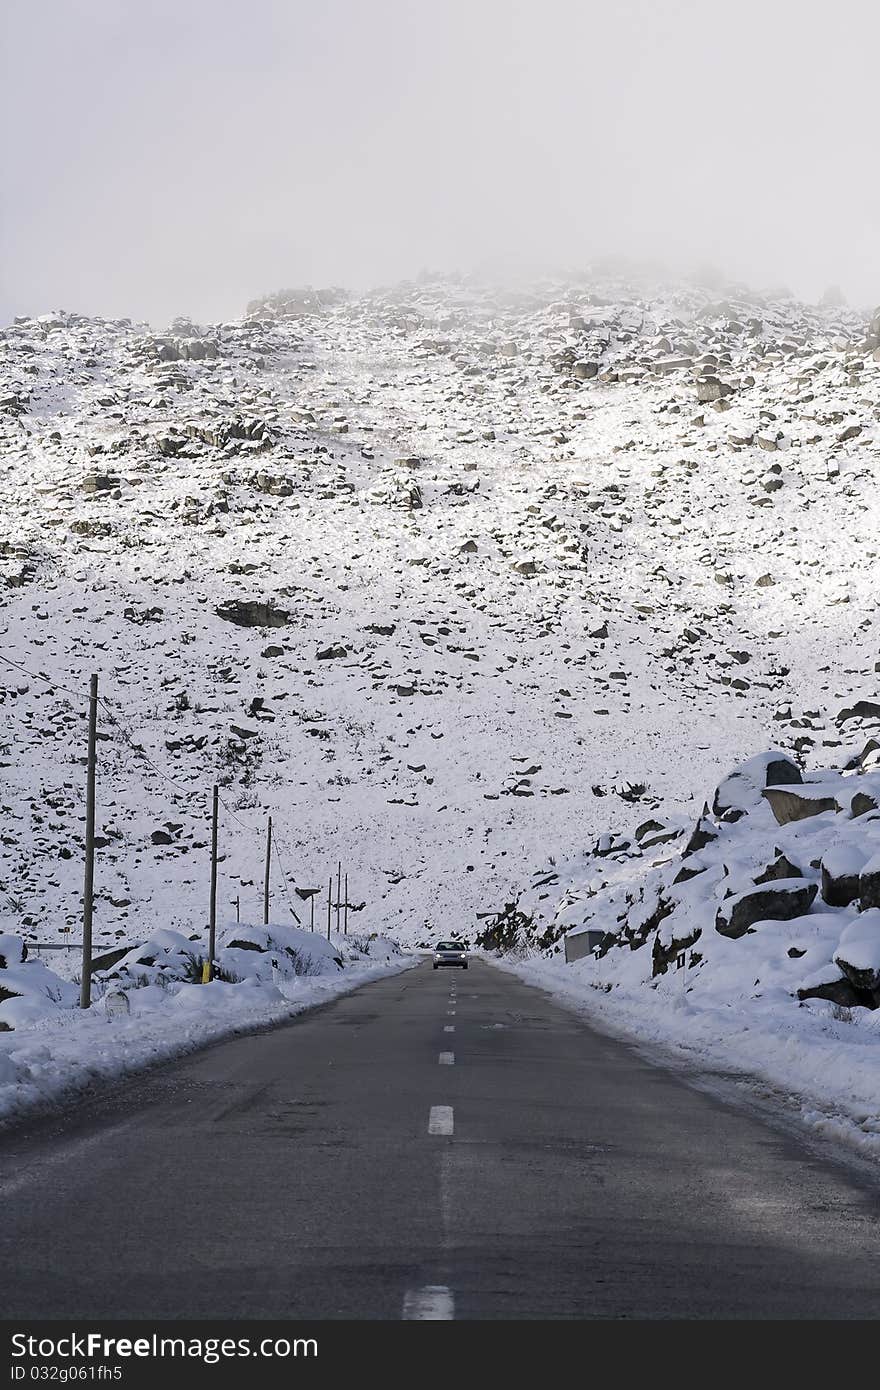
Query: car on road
[450, 953]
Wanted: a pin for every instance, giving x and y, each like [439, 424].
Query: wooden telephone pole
[266, 877]
[85, 993]
[212, 928]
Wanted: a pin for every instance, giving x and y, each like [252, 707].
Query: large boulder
[787, 898]
[198, 349]
[780, 867]
[704, 833]
[742, 790]
[841, 869]
[584, 371]
[869, 884]
[862, 709]
[789, 806]
[866, 759]
[711, 388]
[839, 992]
[253, 613]
[664, 953]
[858, 954]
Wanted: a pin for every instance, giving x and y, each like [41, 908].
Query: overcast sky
[181, 156]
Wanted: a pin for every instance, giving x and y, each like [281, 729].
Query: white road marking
[449, 1028]
[440, 1120]
[447, 1059]
[450, 1013]
[433, 1303]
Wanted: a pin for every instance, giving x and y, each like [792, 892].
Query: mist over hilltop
[176, 159]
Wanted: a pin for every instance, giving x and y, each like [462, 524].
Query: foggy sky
[168, 157]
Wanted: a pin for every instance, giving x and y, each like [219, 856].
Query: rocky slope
[773, 894]
[447, 578]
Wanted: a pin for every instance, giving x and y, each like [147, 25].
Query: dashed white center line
[450, 1013]
[440, 1120]
[433, 1303]
[449, 1028]
[447, 1059]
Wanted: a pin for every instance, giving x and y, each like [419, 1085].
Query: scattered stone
[584, 371]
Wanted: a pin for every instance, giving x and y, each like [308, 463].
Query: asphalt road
[405, 1153]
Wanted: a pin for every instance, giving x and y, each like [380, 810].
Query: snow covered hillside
[446, 578]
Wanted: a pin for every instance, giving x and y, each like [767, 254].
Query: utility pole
[266, 878]
[329, 903]
[312, 912]
[212, 929]
[338, 893]
[346, 905]
[85, 993]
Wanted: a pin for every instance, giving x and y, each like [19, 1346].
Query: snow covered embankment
[754, 944]
[148, 1007]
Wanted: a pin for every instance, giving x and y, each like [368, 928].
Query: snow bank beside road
[55, 1054]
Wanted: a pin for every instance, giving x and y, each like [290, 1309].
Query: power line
[38, 676]
[275, 842]
[125, 730]
[129, 737]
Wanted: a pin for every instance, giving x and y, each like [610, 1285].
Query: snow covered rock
[786, 899]
[252, 613]
[790, 806]
[842, 866]
[711, 388]
[869, 883]
[858, 954]
[584, 370]
[756, 880]
[12, 951]
[247, 951]
[781, 867]
[30, 992]
[742, 790]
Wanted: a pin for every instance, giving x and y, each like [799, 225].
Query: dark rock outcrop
[787, 899]
[253, 613]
